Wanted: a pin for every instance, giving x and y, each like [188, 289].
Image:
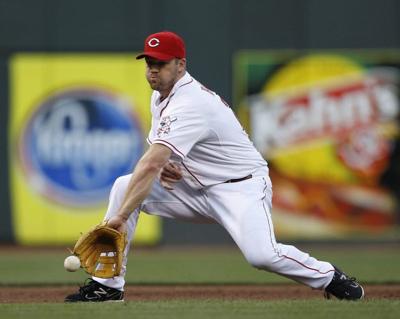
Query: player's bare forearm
[143, 177]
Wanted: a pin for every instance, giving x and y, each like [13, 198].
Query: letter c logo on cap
[153, 42]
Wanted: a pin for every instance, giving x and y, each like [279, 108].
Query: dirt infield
[229, 292]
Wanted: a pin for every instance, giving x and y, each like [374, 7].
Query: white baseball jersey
[207, 139]
[203, 133]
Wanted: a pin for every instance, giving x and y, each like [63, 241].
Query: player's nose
[154, 69]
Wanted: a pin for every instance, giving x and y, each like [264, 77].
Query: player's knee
[121, 183]
[263, 260]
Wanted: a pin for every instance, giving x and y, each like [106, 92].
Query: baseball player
[202, 167]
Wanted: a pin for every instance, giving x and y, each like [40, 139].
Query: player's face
[162, 75]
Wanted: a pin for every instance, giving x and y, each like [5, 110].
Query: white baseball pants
[243, 209]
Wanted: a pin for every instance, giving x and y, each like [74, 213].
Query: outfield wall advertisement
[328, 124]
[77, 122]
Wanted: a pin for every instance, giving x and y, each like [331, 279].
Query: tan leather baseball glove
[101, 251]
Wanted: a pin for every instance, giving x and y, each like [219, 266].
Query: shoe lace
[346, 280]
[87, 286]
[338, 284]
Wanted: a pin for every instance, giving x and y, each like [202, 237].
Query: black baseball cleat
[92, 291]
[344, 287]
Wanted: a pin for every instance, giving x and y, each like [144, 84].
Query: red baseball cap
[163, 46]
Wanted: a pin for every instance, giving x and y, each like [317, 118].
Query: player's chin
[154, 84]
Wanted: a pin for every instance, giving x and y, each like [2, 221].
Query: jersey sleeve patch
[165, 125]
[181, 129]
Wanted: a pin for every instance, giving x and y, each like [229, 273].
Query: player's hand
[170, 174]
[117, 222]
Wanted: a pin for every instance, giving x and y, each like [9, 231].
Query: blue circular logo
[77, 143]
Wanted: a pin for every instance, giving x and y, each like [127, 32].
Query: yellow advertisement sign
[328, 125]
[77, 122]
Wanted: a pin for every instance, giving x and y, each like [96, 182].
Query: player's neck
[165, 93]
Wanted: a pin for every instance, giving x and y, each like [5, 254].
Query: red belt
[235, 180]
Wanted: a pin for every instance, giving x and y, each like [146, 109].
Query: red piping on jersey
[192, 174]
[191, 80]
[171, 146]
[323, 273]
[287, 257]
[162, 110]
[169, 99]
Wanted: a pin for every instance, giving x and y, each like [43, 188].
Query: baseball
[72, 263]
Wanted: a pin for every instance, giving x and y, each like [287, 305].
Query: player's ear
[182, 64]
